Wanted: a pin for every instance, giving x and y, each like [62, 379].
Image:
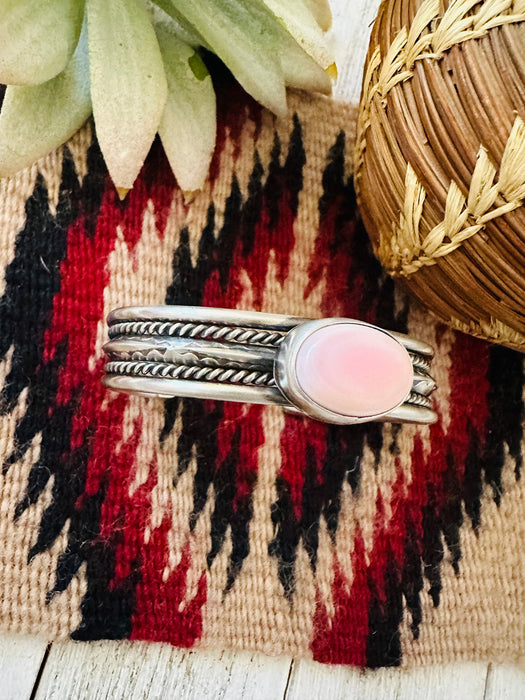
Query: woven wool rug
[226, 525]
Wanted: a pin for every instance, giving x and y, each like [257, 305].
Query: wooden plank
[20, 661]
[309, 681]
[115, 670]
[505, 683]
[351, 27]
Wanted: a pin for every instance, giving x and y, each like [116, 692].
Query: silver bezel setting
[285, 373]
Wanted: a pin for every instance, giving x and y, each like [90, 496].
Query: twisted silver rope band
[420, 362]
[203, 331]
[415, 399]
[195, 372]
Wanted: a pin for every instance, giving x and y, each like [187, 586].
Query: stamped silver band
[249, 357]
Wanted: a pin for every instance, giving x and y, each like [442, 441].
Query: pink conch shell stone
[354, 369]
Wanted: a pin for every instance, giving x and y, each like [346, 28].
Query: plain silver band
[226, 348]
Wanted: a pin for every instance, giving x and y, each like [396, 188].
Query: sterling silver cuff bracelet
[335, 370]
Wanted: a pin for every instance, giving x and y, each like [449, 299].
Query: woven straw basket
[440, 158]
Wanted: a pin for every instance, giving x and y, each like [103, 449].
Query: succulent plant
[137, 65]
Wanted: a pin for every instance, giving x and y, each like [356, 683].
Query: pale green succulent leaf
[164, 12]
[36, 119]
[128, 84]
[37, 38]
[302, 25]
[239, 32]
[188, 125]
[299, 68]
[303, 73]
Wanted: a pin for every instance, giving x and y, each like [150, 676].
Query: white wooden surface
[505, 683]
[156, 671]
[20, 661]
[461, 682]
[123, 670]
[29, 670]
